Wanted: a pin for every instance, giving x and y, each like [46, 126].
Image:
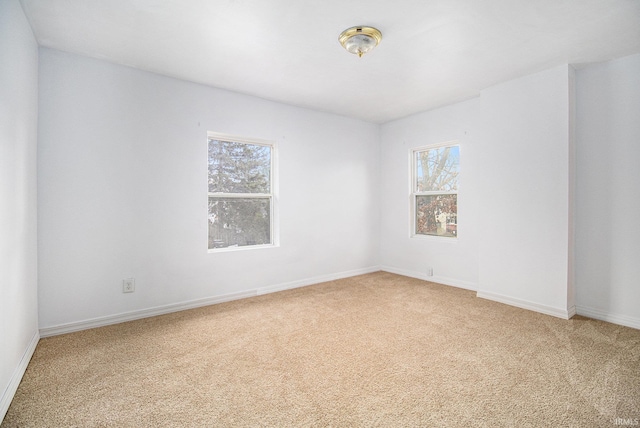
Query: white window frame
[272, 196]
[414, 193]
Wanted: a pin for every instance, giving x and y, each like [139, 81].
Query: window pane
[237, 222]
[437, 215]
[239, 167]
[437, 169]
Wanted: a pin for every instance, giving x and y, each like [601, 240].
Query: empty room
[355, 213]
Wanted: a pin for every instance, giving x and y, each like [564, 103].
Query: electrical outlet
[128, 285]
[429, 271]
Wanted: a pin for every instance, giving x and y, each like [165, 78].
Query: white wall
[515, 226]
[608, 191]
[454, 261]
[525, 181]
[18, 252]
[122, 192]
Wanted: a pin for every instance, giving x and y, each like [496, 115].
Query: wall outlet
[429, 271]
[128, 285]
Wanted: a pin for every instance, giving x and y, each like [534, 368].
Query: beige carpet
[372, 350]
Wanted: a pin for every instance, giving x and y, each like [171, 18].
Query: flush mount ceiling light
[360, 40]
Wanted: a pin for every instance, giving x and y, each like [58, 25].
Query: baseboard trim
[10, 391]
[192, 304]
[143, 313]
[437, 279]
[525, 304]
[316, 280]
[601, 315]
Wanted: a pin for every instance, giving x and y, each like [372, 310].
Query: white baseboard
[606, 316]
[556, 312]
[437, 279]
[139, 314]
[10, 391]
[175, 307]
[525, 304]
[316, 280]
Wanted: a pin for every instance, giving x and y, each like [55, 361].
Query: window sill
[243, 248]
[434, 238]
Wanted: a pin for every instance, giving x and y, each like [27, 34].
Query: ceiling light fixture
[360, 40]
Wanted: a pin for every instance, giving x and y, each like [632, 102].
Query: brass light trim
[360, 40]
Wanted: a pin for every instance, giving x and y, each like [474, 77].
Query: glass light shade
[360, 40]
[360, 44]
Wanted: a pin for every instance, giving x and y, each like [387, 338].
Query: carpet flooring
[372, 350]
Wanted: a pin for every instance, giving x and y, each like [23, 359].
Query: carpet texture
[373, 350]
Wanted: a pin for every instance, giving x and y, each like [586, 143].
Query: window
[241, 201]
[434, 190]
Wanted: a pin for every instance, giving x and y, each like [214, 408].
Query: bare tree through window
[435, 190]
